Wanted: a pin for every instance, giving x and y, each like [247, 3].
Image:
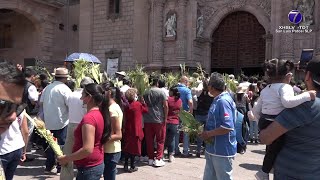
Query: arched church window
[5, 36]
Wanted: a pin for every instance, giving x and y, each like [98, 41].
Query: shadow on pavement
[259, 151]
[251, 167]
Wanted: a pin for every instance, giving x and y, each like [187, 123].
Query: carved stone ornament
[286, 45]
[236, 4]
[306, 7]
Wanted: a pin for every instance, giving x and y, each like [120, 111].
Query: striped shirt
[300, 155]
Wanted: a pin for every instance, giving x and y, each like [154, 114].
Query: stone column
[286, 45]
[157, 8]
[269, 38]
[181, 44]
[275, 23]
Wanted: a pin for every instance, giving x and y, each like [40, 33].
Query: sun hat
[61, 72]
[122, 73]
[241, 90]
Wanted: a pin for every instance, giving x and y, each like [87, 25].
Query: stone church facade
[222, 35]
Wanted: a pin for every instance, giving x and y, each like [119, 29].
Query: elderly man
[55, 108]
[220, 131]
[12, 84]
[300, 156]
[187, 104]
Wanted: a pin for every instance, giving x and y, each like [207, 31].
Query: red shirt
[174, 109]
[94, 118]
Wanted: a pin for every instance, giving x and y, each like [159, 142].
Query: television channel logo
[295, 17]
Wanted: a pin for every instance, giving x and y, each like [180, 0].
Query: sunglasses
[6, 108]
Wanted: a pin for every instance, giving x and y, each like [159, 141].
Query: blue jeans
[111, 160]
[254, 130]
[218, 168]
[172, 131]
[177, 141]
[186, 143]
[10, 162]
[201, 119]
[61, 135]
[92, 173]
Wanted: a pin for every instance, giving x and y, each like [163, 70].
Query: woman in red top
[90, 135]
[133, 133]
[175, 105]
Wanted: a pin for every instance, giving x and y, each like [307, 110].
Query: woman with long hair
[93, 131]
[112, 148]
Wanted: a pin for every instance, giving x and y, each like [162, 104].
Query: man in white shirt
[56, 112]
[30, 97]
[13, 146]
[245, 83]
[30, 94]
[11, 88]
[76, 113]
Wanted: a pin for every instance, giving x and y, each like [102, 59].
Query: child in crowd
[253, 97]
[133, 133]
[175, 104]
[274, 98]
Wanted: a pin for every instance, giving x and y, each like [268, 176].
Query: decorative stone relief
[200, 23]
[306, 7]
[236, 4]
[180, 48]
[171, 24]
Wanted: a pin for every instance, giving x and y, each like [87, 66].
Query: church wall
[113, 34]
[66, 40]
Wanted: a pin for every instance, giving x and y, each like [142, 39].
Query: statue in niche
[171, 25]
[200, 24]
[306, 7]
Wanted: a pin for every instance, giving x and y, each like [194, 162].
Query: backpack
[242, 132]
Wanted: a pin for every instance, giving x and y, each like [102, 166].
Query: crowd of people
[99, 125]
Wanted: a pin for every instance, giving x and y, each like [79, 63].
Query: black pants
[273, 149]
[126, 160]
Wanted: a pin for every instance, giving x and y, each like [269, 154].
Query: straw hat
[61, 72]
[122, 73]
[241, 90]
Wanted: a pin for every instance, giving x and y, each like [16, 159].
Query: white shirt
[55, 105]
[33, 94]
[76, 107]
[244, 84]
[274, 98]
[12, 139]
[124, 88]
[166, 91]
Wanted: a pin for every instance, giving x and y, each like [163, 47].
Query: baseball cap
[314, 67]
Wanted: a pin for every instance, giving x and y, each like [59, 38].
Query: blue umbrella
[84, 56]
